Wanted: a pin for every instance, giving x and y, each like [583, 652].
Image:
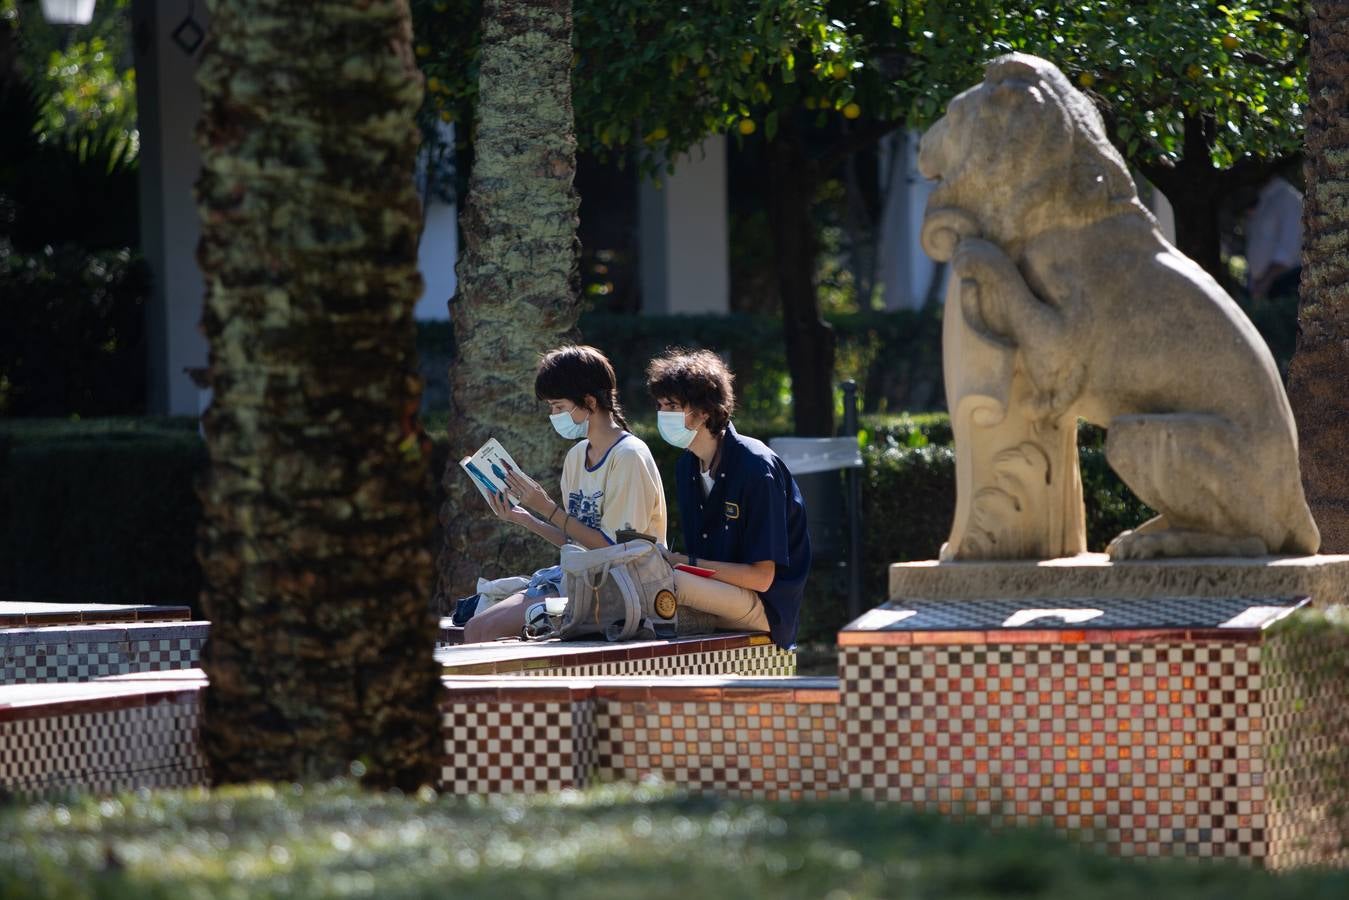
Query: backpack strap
[632, 606]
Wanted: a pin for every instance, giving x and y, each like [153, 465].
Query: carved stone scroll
[1018, 490]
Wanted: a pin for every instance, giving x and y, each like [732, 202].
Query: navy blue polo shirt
[754, 513]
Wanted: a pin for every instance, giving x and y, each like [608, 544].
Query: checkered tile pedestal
[84, 652]
[716, 654]
[773, 737]
[1147, 740]
[105, 736]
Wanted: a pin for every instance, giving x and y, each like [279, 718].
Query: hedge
[616, 842]
[99, 512]
[105, 511]
[895, 357]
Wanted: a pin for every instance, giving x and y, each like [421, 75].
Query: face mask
[671, 425]
[568, 427]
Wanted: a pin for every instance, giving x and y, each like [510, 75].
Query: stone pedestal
[1126, 703]
[1325, 579]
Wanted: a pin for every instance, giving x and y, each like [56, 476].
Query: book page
[488, 468]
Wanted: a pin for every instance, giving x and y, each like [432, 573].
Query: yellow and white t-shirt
[622, 491]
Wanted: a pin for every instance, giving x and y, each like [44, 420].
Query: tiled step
[13, 614]
[85, 652]
[715, 654]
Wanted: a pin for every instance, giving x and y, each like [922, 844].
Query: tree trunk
[1195, 189]
[517, 279]
[789, 194]
[316, 532]
[1319, 376]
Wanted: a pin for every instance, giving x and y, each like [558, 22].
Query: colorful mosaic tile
[515, 747]
[114, 748]
[722, 654]
[87, 652]
[1151, 748]
[762, 749]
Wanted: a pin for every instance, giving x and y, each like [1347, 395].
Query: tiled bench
[83, 652]
[111, 735]
[759, 737]
[13, 615]
[1143, 723]
[713, 654]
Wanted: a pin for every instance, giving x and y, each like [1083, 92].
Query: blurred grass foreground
[616, 842]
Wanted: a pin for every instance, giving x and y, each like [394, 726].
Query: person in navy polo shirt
[739, 507]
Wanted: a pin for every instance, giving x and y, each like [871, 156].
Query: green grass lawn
[646, 843]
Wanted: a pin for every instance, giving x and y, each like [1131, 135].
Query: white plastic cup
[555, 606]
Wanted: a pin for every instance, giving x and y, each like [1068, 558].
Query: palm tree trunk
[315, 544]
[1319, 376]
[517, 278]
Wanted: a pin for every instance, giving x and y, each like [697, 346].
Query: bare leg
[505, 619]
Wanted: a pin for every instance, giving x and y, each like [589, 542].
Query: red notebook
[696, 570]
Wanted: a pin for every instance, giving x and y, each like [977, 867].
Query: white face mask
[672, 428]
[569, 428]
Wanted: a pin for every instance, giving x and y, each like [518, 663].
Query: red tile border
[568, 655]
[475, 694]
[68, 706]
[530, 694]
[875, 638]
[816, 695]
[949, 637]
[1047, 636]
[731, 694]
[628, 693]
[687, 694]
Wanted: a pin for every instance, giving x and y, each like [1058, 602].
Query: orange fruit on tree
[746, 127]
[1086, 79]
[1230, 42]
[852, 111]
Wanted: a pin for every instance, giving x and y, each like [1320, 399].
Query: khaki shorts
[736, 608]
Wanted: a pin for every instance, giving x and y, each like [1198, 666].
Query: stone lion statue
[1070, 303]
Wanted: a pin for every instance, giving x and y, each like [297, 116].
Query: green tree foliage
[85, 74]
[1202, 97]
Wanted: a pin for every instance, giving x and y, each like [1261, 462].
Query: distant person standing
[1274, 240]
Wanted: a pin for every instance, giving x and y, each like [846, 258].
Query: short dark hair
[575, 372]
[696, 379]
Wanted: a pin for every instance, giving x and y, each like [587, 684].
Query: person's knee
[506, 619]
[475, 629]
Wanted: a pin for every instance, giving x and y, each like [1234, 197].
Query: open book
[488, 468]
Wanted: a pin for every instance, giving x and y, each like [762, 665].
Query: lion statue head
[1017, 154]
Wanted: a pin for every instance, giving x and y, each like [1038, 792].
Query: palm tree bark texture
[1319, 375]
[316, 542]
[517, 277]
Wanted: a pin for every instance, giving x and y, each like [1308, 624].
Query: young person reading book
[739, 507]
[609, 480]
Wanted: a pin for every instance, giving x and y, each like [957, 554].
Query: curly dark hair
[695, 379]
[576, 372]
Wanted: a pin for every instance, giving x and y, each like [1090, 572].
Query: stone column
[905, 271]
[684, 249]
[168, 104]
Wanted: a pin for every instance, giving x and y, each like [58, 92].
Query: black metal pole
[854, 477]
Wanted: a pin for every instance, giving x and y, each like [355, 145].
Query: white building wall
[684, 241]
[905, 270]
